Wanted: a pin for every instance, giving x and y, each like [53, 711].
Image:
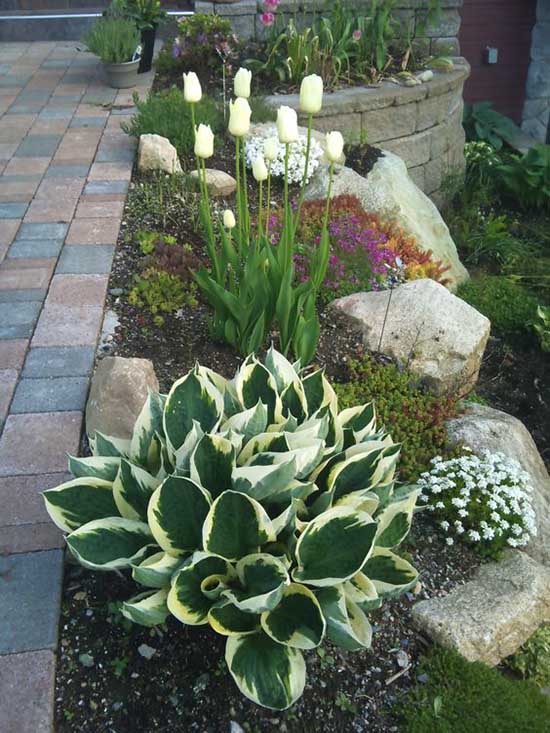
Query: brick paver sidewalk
[64, 172]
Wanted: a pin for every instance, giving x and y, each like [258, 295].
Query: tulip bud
[241, 83]
[334, 147]
[287, 125]
[259, 169]
[311, 94]
[192, 91]
[204, 141]
[239, 117]
[271, 149]
[229, 219]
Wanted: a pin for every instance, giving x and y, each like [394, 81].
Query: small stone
[156, 153]
[117, 706]
[425, 76]
[117, 394]
[146, 651]
[402, 659]
[86, 660]
[218, 182]
[234, 727]
[115, 292]
[423, 678]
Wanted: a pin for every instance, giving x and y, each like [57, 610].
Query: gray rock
[438, 336]
[389, 192]
[117, 394]
[483, 428]
[219, 183]
[156, 153]
[491, 616]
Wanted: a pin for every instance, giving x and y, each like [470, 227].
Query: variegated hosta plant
[253, 505]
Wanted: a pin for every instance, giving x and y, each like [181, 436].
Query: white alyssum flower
[484, 499]
[268, 146]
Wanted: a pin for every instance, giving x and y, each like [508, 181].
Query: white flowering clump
[482, 500]
[254, 147]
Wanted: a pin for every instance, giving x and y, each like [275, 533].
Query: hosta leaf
[254, 382]
[228, 620]
[212, 462]
[186, 599]
[176, 514]
[319, 392]
[110, 544]
[147, 425]
[132, 489]
[390, 574]
[107, 445]
[274, 442]
[156, 571]
[394, 522]
[295, 490]
[363, 501]
[147, 609]
[361, 590]
[360, 420]
[263, 578]
[282, 370]
[306, 457]
[297, 620]
[193, 397]
[334, 546]
[105, 468]
[268, 673]
[264, 482]
[249, 422]
[353, 474]
[236, 526]
[294, 400]
[347, 625]
[182, 456]
[79, 501]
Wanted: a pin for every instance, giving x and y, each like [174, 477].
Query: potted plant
[147, 15]
[117, 43]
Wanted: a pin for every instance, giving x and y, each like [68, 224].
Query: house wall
[536, 110]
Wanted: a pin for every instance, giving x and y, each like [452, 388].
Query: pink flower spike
[267, 19]
[271, 4]
[356, 35]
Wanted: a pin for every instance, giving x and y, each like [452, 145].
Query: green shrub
[506, 304]
[465, 697]
[482, 122]
[532, 660]
[254, 505]
[161, 292]
[541, 326]
[417, 418]
[526, 178]
[114, 40]
[167, 114]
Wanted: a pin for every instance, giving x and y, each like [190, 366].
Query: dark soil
[362, 157]
[516, 378]
[185, 686]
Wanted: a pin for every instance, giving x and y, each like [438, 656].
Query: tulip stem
[268, 206]
[329, 191]
[245, 199]
[304, 177]
[260, 228]
[238, 177]
[288, 216]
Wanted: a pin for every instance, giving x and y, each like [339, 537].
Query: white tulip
[287, 125]
[311, 94]
[241, 83]
[192, 91]
[204, 141]
[229, 219]
[259, 169]
[271, 149]
[239, 117]
[334, 147]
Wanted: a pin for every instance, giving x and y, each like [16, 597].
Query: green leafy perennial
[254, 505]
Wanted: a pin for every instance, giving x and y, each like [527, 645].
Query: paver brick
[23, 278]
[61, 325]
[52, 394]
[42, 231]
[100, 209]
[19, 296]
[39, 443]
[18, 322]
[12, 353]
[27, 692]
[93, 231]
[27, 166]
[35, 248]
[30, 595]
[106, 187]
[7, 231]
[34, 146]
[78, 290]
[21, 498]
[8, 380]
[57, 361]
[12, 210]
[110, 172]
[78, 259]
[30, 538]
[61, 170]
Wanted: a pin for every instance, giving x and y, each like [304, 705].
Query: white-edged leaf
[262, 580]
[108, 445]
[212, 463]
[132, 490]
[147, 425]
[227, 620]
[390, 574]
[297, 620]
[110, 544]
[347, 625]
[77, 502]
[147, 609]
[394, 522]
[156, 570]
[249, 422]
[102, 467]
[187, 600]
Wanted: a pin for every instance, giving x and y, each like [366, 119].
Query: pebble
[86, 660]
[234, 727]
[116, 292]
[402, 659]
[423, 678]
[146, 651]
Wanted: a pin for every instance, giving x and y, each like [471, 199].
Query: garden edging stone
[484, 428]
[492, 615]
[438, 336]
